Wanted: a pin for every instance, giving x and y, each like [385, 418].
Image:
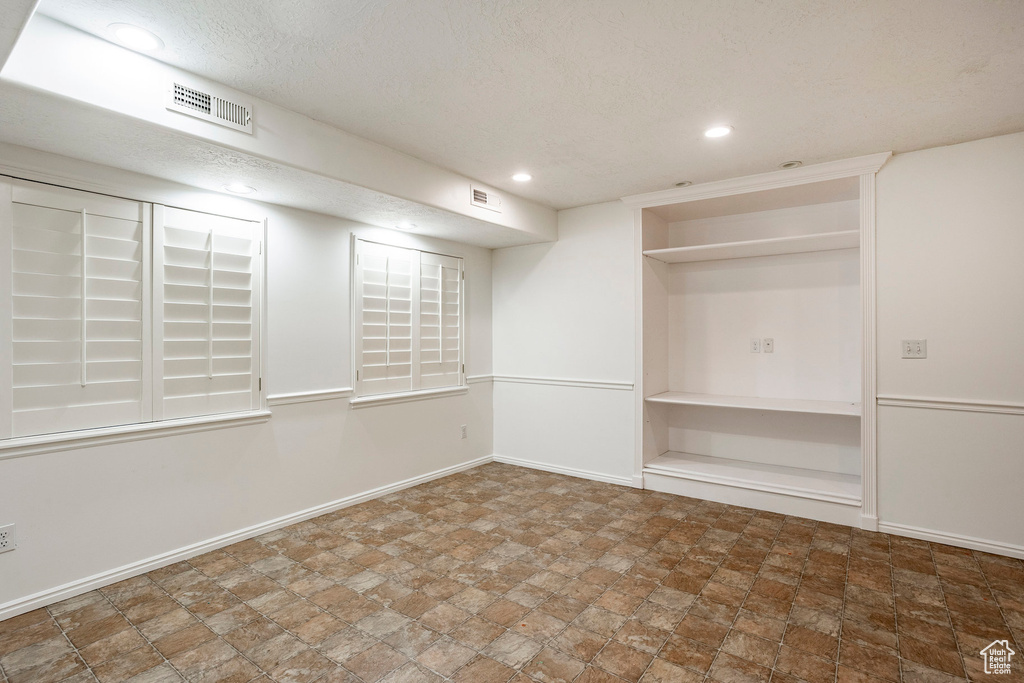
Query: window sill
[65, 441]
[406, 396]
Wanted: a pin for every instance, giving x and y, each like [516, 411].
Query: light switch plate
[915, 348]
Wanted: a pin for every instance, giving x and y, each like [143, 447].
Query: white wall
[950, 270]
[90, 511]
[564, 314]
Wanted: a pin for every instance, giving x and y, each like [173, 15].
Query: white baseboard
[70, 590]
[869, 522]
[638, 481]
[570, 471]
[994, 547]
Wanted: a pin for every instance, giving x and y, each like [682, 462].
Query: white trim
[87, 438]
[958, 404]
[831, 170]
[479, 379]
[6, 309]
[552, 381]
[568, 471]
[406, 396]
[263, 338]
[69, 590]
[994, 547]
[638, 348]
[869, 522]
[309, 396]
[869, 353]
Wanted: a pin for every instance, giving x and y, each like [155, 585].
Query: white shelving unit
[712, 420]
[842, 489]
[783, 405]
[829, 241]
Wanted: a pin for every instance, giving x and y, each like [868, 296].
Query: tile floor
[504, 574]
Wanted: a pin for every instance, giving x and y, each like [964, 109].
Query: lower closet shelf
[844, 489]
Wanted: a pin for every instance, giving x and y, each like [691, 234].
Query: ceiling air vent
[209, 106]
[485, 199]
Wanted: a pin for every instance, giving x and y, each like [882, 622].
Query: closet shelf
[827, 241]
[844, 489]
[787, 405]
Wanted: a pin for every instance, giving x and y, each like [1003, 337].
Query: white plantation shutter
[440, 320]
[384, 318]
[408, 319]
[75, 308]
[207, 274]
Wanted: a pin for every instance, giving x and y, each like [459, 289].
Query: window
[206, 289]
[408, 319]
[120, 312]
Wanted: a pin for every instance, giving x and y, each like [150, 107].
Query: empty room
[591, 341]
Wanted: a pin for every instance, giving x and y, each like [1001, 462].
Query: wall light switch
[768, 345]
[755, 346]
[915, 348]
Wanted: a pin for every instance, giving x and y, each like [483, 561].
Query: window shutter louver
[440, 321]
[206, 312]
[408, 327]
[385, 280]
[76, 304]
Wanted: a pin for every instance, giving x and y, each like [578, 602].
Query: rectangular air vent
[209, 106]
[484, 199]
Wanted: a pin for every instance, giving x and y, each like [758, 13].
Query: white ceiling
[605, 98]
[80, 131]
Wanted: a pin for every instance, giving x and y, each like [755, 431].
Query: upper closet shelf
[827, 241]
[787, 405]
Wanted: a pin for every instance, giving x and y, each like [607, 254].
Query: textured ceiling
[12, 19]
[604, 98]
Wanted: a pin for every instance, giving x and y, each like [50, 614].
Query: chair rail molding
[964, 405]
[309, 396]
[560, 382]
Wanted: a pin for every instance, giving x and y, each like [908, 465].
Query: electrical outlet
[755, 346]
[465, 435]
[8, 541]
[915, 348]
[768, 345]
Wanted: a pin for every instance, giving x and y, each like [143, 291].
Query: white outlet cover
[755, 346]
[768, 345]
[8, 541]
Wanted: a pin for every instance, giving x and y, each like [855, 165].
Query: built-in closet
[757, 371]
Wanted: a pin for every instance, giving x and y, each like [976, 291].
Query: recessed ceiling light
[717, 131]
[239, 188]
[406, 226]
[684, 183]
[791, 164]
[135, 38]
[522, 177]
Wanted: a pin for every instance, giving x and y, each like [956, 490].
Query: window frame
[19, 446]
[415, 393]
